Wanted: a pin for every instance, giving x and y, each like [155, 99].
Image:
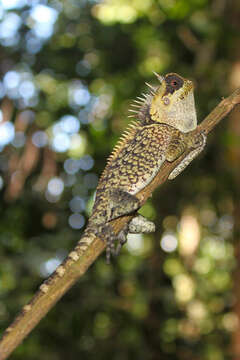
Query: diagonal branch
[85, 254]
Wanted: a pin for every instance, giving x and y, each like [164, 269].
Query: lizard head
[173, 103]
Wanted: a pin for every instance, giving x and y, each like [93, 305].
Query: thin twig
[82, 257]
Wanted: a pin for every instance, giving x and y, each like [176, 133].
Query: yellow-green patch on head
[173, 103]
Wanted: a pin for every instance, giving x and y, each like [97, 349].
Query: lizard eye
[174, 83]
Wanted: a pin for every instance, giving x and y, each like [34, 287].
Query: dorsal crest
[126, 136]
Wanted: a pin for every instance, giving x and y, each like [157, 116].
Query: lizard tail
[74, 266]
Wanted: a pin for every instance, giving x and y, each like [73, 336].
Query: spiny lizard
[166, 117]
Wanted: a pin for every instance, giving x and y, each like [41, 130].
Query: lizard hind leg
[106, 233]
[122, 203]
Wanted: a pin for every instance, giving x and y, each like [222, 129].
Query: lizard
[162, 131]
[166, 116]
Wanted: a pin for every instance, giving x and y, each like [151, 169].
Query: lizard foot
[200, 139]
[138, 225]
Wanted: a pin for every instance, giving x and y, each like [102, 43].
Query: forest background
[69, 70]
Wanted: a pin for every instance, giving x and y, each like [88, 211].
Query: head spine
[141, 105]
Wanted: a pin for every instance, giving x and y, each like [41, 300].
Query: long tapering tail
[51, 290]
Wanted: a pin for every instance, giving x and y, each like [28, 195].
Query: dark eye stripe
[173, 82]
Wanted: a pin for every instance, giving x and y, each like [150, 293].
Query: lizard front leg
[138, 225]
[179, 145]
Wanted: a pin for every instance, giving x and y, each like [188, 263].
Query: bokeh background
[69, 70]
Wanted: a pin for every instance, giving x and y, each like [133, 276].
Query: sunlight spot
[19, 139]
[77, 204]
[48, 267]
[135, 243]
[61, 142]
[184, 287]
[44, 14]
[27, 89]
[9, 27]
[76, 221]
[11, 4]
[79, 94]
[43, 30]
[55, 186]
[70, 124]
[71, 166]
[189, 233]
[11, 79]
[169, 242]
[7, 133]
[39, 139]
[86, 162]
[44, 17]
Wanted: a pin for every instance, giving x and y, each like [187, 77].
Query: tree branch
[83, 256]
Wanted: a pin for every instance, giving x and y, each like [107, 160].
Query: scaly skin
[141, 157]
[167, 117]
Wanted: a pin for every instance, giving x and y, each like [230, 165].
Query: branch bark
[83, 256]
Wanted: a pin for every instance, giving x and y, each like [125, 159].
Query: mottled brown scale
[162, 133]
[142, 153]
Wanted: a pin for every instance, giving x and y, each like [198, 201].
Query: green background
[69, 70]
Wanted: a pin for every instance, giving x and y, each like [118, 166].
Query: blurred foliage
[68, 72]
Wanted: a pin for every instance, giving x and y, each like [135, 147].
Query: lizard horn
[159, 77]
[150, 86]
